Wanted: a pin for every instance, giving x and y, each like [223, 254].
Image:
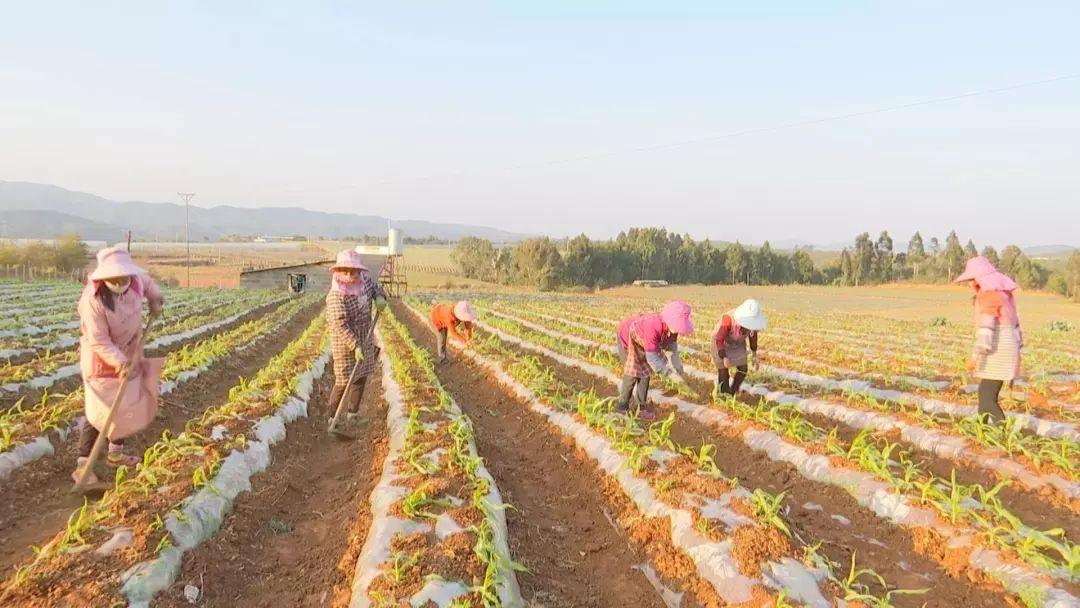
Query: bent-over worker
[641, 341]
[729, 344]
[453, 319]
[348, 315]
[111, 326]
[998, 338]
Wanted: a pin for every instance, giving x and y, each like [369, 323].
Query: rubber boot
[626, 387]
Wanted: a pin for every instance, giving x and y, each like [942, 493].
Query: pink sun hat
[348, 259]
[676, 315]
[114, 262]
[464, 312]
[989, 278]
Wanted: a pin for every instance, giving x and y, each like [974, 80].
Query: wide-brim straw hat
[348, 259]
[749, 315]
[464, 312]
[676, 315]
[114, 262]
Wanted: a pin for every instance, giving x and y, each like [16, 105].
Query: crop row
[50, 368]
[911, 496]
[177, 496]
[438, 531]
[928, 401]
[737, 541]
[24, 431]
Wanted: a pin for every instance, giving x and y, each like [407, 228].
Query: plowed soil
[32, 522]
[887, 549]
[561, 526]
[294, 539]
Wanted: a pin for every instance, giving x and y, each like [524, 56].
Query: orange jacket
[442, 317]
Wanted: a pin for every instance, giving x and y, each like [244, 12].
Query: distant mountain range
[29, 210]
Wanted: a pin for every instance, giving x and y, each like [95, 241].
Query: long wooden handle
[103, 434]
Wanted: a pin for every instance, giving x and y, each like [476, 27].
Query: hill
[41, 210]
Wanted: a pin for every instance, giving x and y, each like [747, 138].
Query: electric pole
[186, 197]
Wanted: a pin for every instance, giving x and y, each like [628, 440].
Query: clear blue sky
[419, 110]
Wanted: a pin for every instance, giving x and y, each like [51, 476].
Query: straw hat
[464, 312]
[348, 259]
[114, 262]
[749, 315]
[676, 315]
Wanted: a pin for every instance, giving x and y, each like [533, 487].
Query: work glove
[359, 352]
[753, 360]
[727, 363]
[380, 302]
[129, 368]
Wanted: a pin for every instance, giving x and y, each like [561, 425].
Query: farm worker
[998, 338]
[348, 315]
[110, 321]
[448, 319]
[640, 342]
[735, 328]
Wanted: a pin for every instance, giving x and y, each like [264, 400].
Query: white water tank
[394, 243]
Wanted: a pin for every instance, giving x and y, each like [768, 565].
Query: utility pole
[186, 197]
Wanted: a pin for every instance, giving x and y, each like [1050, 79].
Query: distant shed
[314, 277]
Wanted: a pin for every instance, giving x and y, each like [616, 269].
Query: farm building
[383, 261]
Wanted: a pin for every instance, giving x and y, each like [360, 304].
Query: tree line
[66, 254]
[655, 253]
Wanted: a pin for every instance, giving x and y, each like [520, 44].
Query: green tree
[863, 259]
[802, 266]
[1010, 260]
[1072, 274]
[847, 268]
[538, 263]
[953, 256]
[1057, 284]
[970, 251]
[991, 254]
[884, 260]
[736, 261]
[916, 254]
[475, 258]
[579, 263]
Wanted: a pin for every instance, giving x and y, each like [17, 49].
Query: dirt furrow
[887, 549]
[24, 522]
[562, 524]
[294, 539]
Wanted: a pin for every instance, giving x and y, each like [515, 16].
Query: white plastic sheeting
[868, 491]
[714, 561]
[384, 527]
[945, 445]
[203, 512]
[25, 453]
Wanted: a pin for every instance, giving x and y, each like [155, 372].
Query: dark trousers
[442, 343]
[87, 436]
[723, 377]
[352, 399]
[636, 387]
[989, 390]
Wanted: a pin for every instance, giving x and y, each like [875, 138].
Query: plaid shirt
[349, 319]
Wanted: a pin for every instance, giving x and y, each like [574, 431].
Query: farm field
[850, 470]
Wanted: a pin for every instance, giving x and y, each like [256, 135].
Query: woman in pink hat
[640, 342]
[998, 338]
[348, 315]
[110, 320]
[449, 318]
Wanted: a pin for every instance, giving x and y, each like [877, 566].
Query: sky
[556, 117]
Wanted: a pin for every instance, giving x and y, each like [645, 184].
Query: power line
[718, 136]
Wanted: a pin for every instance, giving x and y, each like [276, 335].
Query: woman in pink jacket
[110, 318]
[998, 339]
[640, 341]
